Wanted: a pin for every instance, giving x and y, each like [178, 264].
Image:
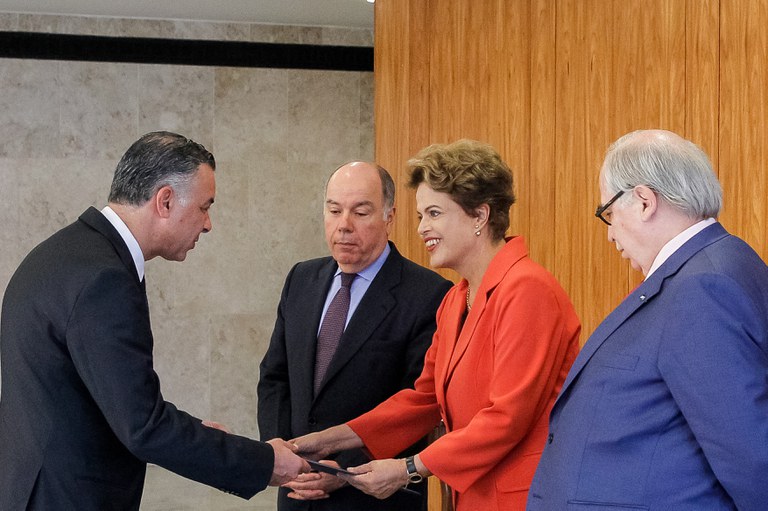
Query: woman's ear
[482, 212]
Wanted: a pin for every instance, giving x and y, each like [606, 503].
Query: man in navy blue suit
[81, 412]
[666, 407]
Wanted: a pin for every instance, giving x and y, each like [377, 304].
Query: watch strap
[413, 473]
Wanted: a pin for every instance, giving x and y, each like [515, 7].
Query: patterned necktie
[332, 328]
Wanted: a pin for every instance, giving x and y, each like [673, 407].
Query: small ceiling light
[371, 1]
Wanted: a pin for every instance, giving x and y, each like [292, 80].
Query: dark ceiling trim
[141, 50]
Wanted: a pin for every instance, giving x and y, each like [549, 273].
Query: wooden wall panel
[702, 69]
[586, 265]
[401, 103]
[480, 82]
[551, 83]
[630, 58]
[743, 157]
[544, 185]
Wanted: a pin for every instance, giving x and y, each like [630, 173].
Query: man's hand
[288, 465]
[315, 485]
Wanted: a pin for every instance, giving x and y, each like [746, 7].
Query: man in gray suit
[81, 411]
[389, 326]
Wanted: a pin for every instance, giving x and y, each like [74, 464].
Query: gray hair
[387, 190]
[157, 159]
[673, 167]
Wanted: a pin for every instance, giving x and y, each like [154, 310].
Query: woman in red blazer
[506, 336]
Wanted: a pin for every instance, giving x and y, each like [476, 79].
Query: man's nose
[208, 225]
[345, 222]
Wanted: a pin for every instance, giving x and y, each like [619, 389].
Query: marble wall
[276, 135]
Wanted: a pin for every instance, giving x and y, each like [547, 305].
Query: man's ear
[389, 220]
[163, 201]
[648, 200]
[391, 215]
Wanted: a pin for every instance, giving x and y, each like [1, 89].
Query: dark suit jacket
[666, 406]
[381, 352]
[81, 411]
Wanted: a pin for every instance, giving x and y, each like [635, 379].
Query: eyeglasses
[601, 209]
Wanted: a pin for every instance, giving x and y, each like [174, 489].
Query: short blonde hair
[472, 173]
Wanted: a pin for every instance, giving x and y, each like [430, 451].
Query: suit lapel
[311, 306]
[450, 329]
[513, 251]
[639, 297]
[462, 335]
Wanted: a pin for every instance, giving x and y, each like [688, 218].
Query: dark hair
[472, 173]
[157, 159]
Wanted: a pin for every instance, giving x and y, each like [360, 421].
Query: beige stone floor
[166, 491]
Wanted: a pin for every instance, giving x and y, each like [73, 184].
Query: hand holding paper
[380, 478]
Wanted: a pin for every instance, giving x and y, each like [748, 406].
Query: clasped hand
[315, 485]
[288, 465]
[379, 478]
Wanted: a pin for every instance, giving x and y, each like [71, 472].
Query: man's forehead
[351, 204]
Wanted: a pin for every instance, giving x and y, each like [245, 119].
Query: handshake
[296, 467]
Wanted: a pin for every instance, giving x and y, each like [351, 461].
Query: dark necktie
[332, 328]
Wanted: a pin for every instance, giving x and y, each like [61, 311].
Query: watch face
[415, 478]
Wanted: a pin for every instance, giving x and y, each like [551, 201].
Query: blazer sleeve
[408, 415]
[110, 342]
[274, 391]
[419, 339]
[714, 360]
[404, 418]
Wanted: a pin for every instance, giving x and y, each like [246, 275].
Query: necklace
[468, 305]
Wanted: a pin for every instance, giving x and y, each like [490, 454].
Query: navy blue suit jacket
[666, 406]
[81, 411]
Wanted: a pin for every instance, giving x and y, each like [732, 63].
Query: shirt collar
[678, 241]
[128, 238]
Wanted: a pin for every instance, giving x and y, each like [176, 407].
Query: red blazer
[493, 381]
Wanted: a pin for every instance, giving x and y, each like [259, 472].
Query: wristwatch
[413, 474]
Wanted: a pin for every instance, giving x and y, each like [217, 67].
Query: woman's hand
[319, 445]
[379, 478]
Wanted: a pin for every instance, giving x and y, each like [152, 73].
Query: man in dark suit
[389, 326]
[666, 406]
[81, 411]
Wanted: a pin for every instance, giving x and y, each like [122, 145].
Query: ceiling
[339, 13]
